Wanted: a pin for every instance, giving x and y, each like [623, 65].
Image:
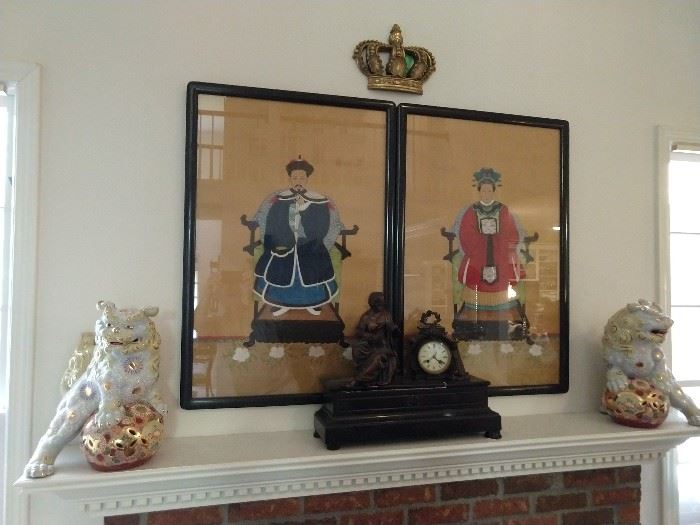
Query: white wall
[113, 105]
[2, 457]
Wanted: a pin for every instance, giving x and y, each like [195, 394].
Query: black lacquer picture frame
[482, 238]
[288, 226]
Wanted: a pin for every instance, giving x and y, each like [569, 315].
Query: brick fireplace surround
[588, 497]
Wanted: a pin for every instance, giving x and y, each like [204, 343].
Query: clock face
[434, 357]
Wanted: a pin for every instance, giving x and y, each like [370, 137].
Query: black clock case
[412, 409]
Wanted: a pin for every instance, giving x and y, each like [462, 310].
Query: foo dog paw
[161, 408]
[108, 418]
[694, 420]
[156, 401]
[617, 385]
[617, 381]
[38, 470]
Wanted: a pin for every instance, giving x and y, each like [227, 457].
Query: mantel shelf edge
[213, 470]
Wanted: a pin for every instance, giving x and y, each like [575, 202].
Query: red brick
[500, 507]
[404, 496]
[589, 478]
[534, 483]
[256, 510]
[336, 502]
[125, 519]
[195, 516]
[614, 496]
[561, 502]
[312, 521]
[592, 517]
[469, 489]
[629, 474]
[377, 518]
[628, 514]
[548, 519]
[434, 515]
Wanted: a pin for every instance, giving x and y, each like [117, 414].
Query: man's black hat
[299, 164]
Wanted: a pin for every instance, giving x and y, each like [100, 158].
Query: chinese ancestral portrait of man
[489, 239]
[297, 227]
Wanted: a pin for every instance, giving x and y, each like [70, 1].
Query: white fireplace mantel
[213, 470]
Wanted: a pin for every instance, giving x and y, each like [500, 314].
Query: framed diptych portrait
[298, 206]
[482, 205]
[287, 221]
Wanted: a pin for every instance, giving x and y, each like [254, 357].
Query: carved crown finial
[406, 67]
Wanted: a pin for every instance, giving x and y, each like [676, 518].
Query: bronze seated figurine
[373, 353]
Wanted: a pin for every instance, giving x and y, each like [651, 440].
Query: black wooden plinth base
[406, 411]
[297, 326]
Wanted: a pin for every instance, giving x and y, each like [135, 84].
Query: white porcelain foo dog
[639, 385]
[112, 397]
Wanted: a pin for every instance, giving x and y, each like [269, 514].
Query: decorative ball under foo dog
[640, 405]
[104, 384]
[127, 444]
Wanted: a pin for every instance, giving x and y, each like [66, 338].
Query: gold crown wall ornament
[406, 67]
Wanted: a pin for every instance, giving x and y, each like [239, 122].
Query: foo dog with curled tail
[639, 384]
[121, 374]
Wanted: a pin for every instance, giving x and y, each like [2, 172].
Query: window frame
[7, 101]
[667, 137]
[25, 79]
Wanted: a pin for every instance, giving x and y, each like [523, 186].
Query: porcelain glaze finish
[120, 370]
[632, 350]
